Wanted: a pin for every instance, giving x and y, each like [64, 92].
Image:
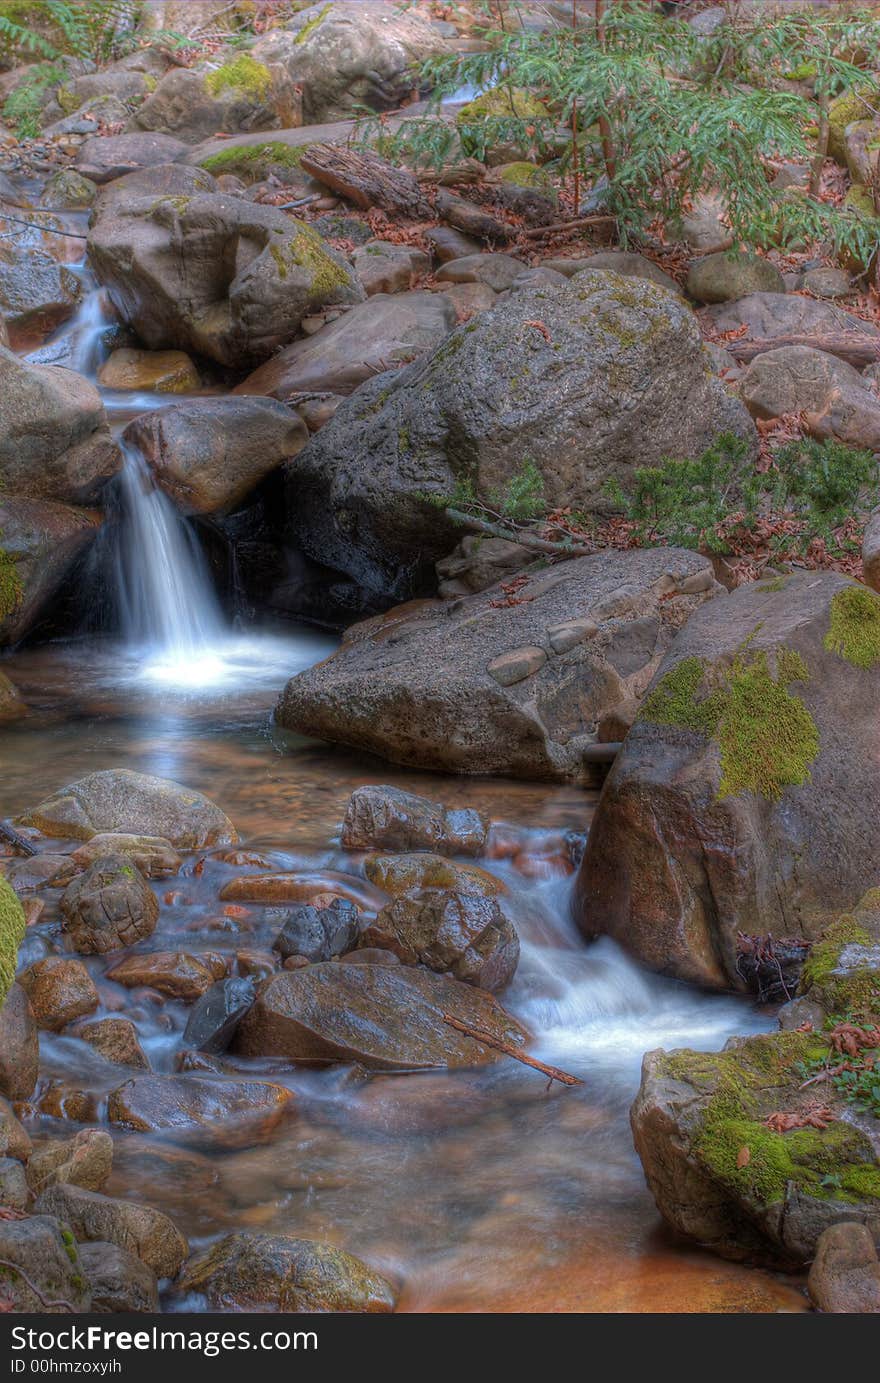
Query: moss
[244, 73]
[502, 103]
[776, 583]
[306, 250]
[11, 589]
[674, 700]
[860, 200]
[855, 626]
[860, 1183]
[825, 954]
[804, 72]
[523, 174]
[309, 28]
[403, 439]
[12, 927]
[254, 160]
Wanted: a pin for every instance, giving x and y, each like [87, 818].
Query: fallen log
[490, 1040]
[17, 842]
[558, 226]
[471, 219]
[366, 179]
[855, 348]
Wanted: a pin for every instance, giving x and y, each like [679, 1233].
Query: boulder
[208, 454]
[84, 1160]
[37, 294]
[498, 271]
[112, 156]
[154, 857]
[116, 1039]
[109, 906]
[786, 318]
[464, 935]
[39, 542]
[385, 331]
[249, 276]
[161, 372]
[398, 874]
[318, 933]
[200, 1109]
[46, 870]
[139, 1229]
[845, 1274]
[117, 799]
[722, 278]
[614, 377]
[14, 1141]
[51, 1281]
[162, 180]
[834, 398]
[11, 705]
[734, 1159]
[54, 439]
[19, 1046]
[828, 282]
[383, 267]
[734, 806]
[215, 1016]
[448, 243]
[233, 96]
[66, 190]
[703, 228]
[14, 1193]
[386, 1018]
[60, 990]
[380, 817]
[344, 56]
[489, 685]
[174, 973]
[624, 262]
[274, 1272]
[119, 1281]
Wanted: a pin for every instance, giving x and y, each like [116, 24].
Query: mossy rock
[842, 971]
[502, 103]
[845, 110]
[255, 162]
[243, 74]
[12, 928]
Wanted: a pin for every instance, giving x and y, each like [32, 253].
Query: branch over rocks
[490, 1040]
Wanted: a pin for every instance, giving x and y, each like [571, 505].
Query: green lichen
[766, 737]
[11, 589]
[245, 74]
[860, 200]
[12, 927]
[855, 626]
[255, 161]
[309, 28]
[845, 110]
[306, 250]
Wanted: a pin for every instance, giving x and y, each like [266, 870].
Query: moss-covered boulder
[740, 1156]
[848, 108]
[232, 94]
[739, 803]
[496, 124]
[12, 926]
[249, 276]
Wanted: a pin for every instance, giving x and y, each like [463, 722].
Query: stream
[475, 1191]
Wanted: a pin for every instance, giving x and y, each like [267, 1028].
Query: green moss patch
[309, 28]
[306, 250]
[11, 589]
[254, 161]
[12, 927]
[855, 626]
[245, 74]
[502, 103]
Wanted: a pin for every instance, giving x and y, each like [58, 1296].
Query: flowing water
[476, 1191]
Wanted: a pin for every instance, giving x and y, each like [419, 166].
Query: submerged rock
[247, 1272]
[176, 973]
[200, 1109]
[116, 1039]
[319, 933]
[736, 803]
[108, 907]
[60, 990]
[84, 1160]
[214, 1018]
[117, 799]
[384, 1017]
[397, 874]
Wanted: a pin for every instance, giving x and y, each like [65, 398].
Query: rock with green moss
[737, 803]
[271, 158]
[234, 94]
[12, 926]
[39, 542]
[724, 1172]
[249, 276]
[845, 110]
[40, 1270]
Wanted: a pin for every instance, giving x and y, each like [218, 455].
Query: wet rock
[84, 1160]
[396, 874]
[14, 1194]
[139, 1229]
[54, 439]
[116, 1039]
[65, 1100]
[384, 1017]
[112, 156]
[319, 933]
[216, 1015]
[485, 684]
[621, 382]
[769, 316]
[19, 1046]
[845, 1274]
[208, 454]
[201, 1109]
[119, 1281]
[383, 267]
[42, 540]
[33, 872]
[712, 802]
[250, 276]
[385, 331]
[51, 1280]
[247, 1272]
[60, 991]
[109, 906]
[463, 935]
[37, 294]
[165, 372]
[117, 799]
[14, 1141]
[154, 857]
[722, 278]
[379, 816]
[11, 704]
[833, 397]
[175, 973]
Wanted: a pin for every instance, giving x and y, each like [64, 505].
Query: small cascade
[87, 350]
[168, 609]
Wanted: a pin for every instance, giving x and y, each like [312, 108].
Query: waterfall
[169, 611]
[87, 333]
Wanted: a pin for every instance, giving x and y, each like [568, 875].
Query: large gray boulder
[37, 293]
[232, 94]
[249, 276]
[39, 542]
[586, 380]
[112, 156]
[737, 804]
[487, 684]
[348, 55]
[117, 799]
[54, 438]
[41, 1268]
[208, 454]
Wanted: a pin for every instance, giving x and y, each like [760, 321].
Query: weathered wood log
[366, 179]
[855, 348]
[471, 219]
